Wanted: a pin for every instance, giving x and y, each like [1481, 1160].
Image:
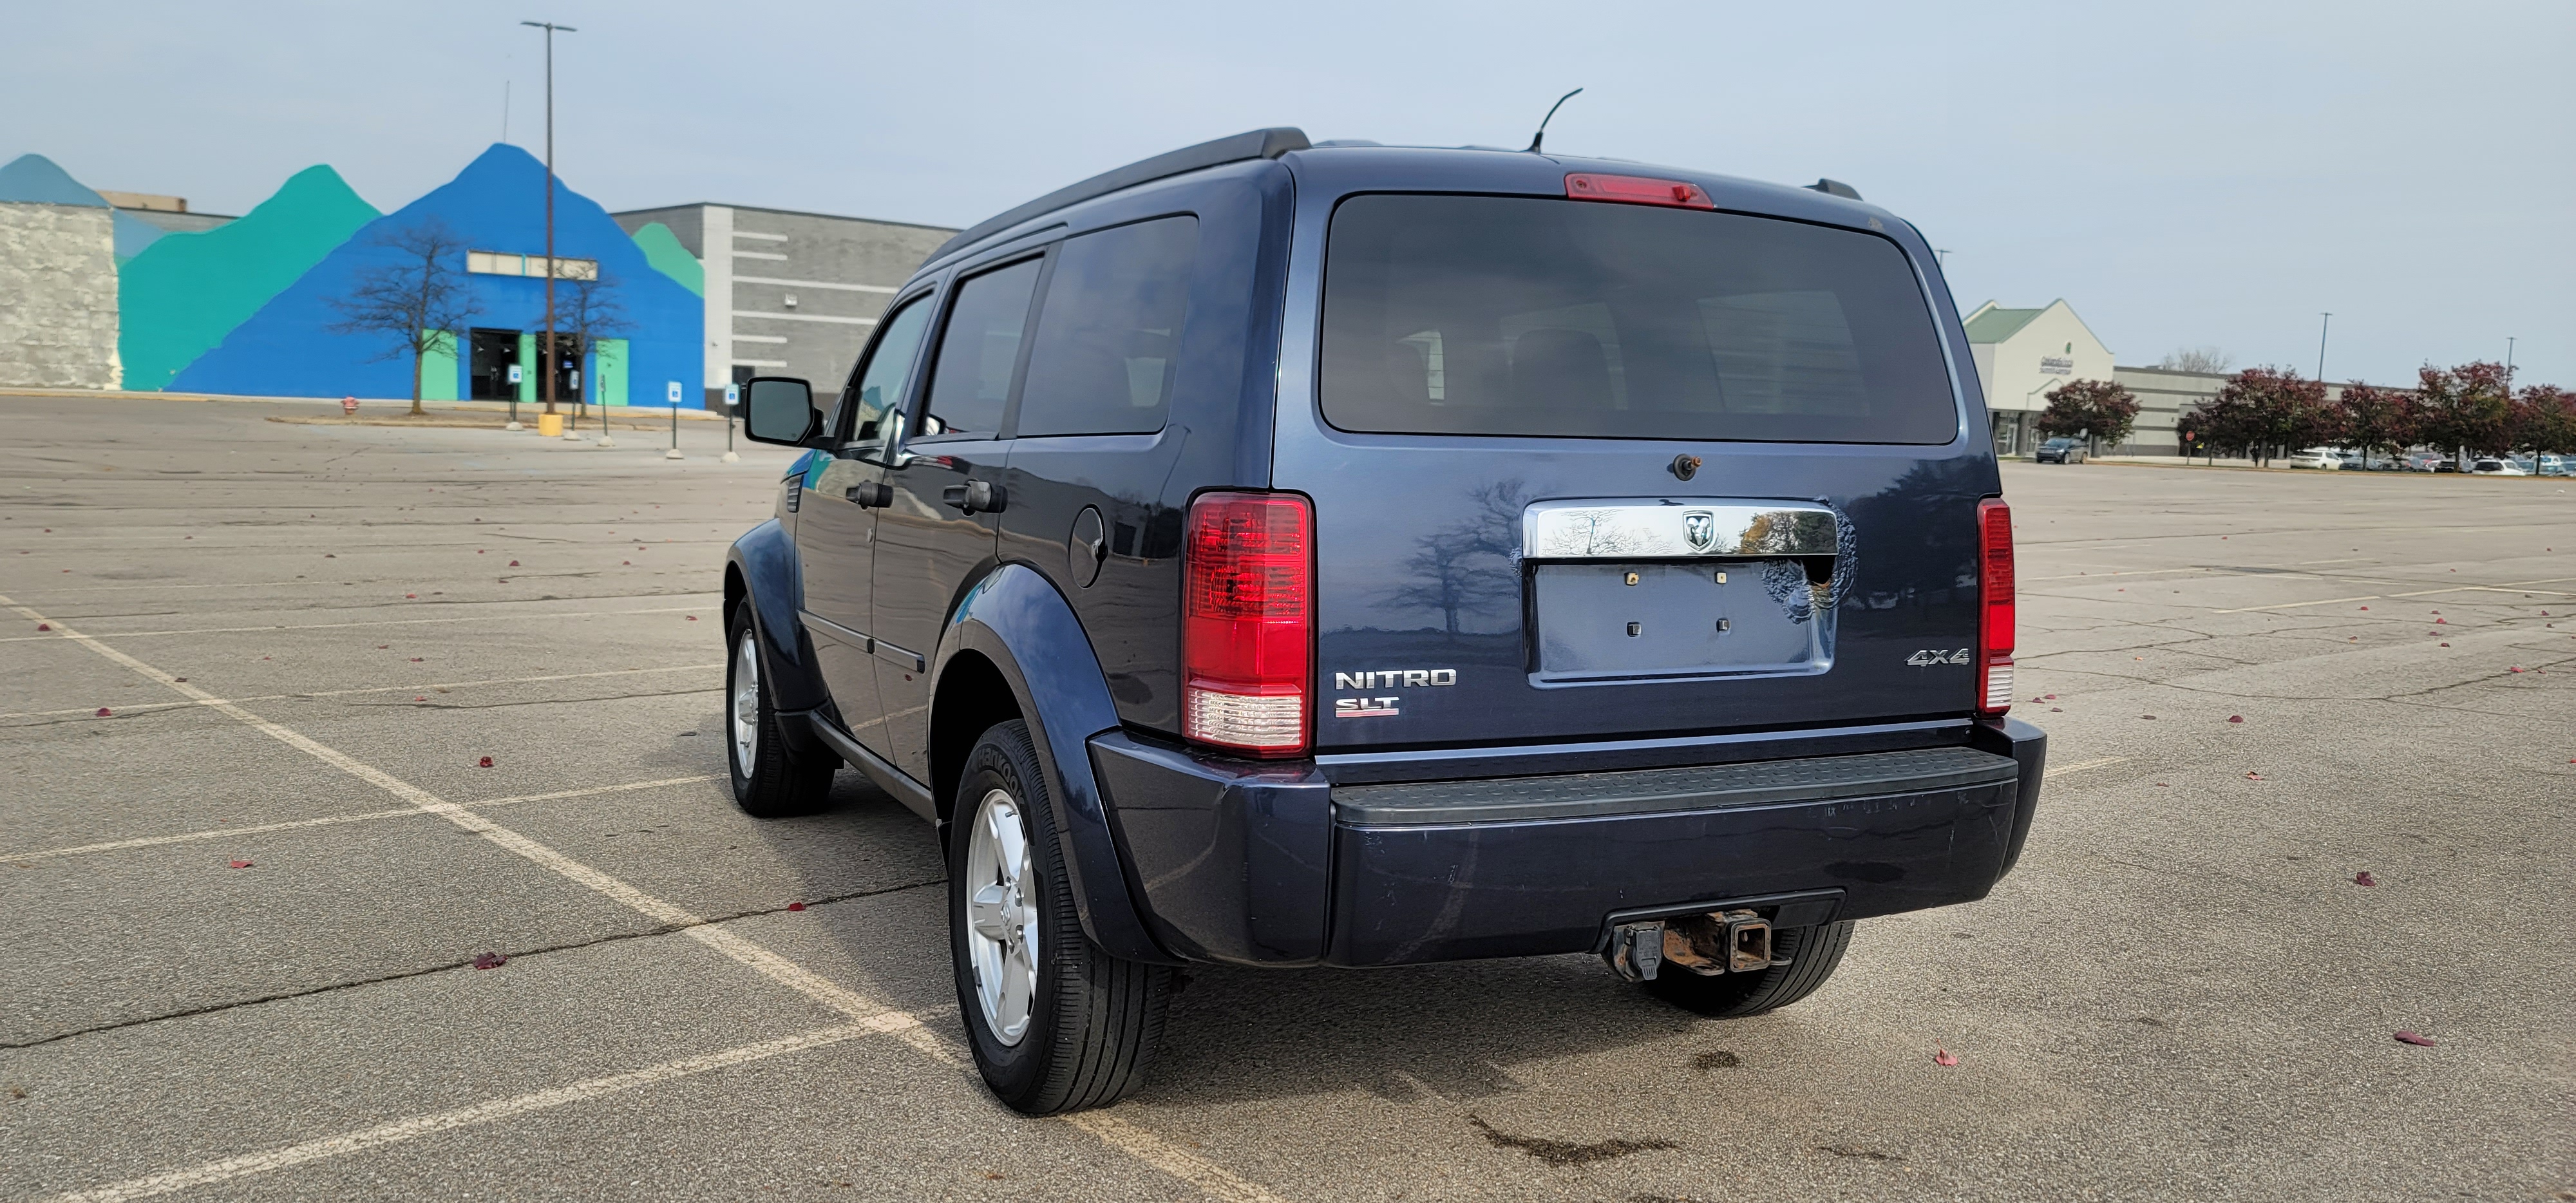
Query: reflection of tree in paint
[1472, 565]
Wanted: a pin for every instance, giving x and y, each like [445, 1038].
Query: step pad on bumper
[1705, 787]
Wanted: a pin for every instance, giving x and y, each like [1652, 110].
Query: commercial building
[2021, 354]
[788, 293]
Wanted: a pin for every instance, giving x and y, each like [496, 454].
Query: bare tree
[588, 314]
[419, 299]
[1472, 564]
[2210, 360]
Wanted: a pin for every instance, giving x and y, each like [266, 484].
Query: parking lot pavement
[2258, 685]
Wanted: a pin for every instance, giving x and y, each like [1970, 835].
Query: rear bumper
[1271, 864]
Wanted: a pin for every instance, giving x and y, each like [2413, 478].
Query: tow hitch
[1718, 942]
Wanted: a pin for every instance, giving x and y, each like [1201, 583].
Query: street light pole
[550, 28]
[2322, 327]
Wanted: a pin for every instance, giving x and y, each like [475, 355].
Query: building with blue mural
[298, 343]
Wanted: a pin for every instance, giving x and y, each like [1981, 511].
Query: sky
[2184, 174]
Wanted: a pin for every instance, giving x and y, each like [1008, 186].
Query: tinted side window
[878, 385]
[1103, 356]
[971, 384]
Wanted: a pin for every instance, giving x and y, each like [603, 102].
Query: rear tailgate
[1588, 470]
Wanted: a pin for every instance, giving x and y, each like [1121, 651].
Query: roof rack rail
[1252, 144]
[1835, 188]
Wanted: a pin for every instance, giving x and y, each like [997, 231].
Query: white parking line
[2081, 765]
[480, 1113]
[342, 693]
[1153, 1151]
[332, 626]
[2296, 605]
[226, 833]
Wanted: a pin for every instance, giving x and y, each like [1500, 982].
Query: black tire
[775, 780]
[1813, 953]
[1092, 1020]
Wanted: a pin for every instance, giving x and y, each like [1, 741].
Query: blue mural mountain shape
[40, 180]
[288, 348]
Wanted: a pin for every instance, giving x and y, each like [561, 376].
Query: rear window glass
[1525, 316]
[1102, 359]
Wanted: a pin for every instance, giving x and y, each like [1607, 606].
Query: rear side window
[1103, 356]
[1526, 316]
[972, 381]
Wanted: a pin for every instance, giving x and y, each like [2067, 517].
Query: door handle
[974, 496]
[871, 496]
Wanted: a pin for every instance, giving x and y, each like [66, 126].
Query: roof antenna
[1541, 135]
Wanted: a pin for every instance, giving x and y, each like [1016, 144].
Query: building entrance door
[488, 374]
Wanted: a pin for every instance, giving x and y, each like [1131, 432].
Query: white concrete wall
[2053, 349]
[716, 256]
[58, 297]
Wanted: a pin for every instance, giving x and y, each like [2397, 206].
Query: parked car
[2553, 465]
[2428, 461]
[2315, 457]
[2495, 467]
[2059, 451]
[1258, 555]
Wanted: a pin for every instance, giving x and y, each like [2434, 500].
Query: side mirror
[779, 409]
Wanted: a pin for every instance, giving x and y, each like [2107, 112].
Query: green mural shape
[662, 249]
[185, 292]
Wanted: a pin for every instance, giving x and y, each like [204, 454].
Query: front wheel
[1056, 1024]
[771, 779]
[1813, 953]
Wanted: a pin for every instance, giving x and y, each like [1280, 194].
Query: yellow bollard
[549, 426]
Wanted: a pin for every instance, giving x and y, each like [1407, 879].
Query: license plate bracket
[1598, 621]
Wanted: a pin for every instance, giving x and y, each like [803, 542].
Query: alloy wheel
[743, 719]
[1001, 920]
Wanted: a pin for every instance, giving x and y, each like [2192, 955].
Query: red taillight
[1995, 606]
[1247, 622]
[1637, 190]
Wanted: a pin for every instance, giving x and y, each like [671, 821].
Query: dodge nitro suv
[1288, 554]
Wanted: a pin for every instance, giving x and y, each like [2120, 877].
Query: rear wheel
[770, 778]
[1813, 953]
[1056, 1024]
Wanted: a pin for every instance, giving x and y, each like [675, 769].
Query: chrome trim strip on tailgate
[1671, 529]
[1651, 791]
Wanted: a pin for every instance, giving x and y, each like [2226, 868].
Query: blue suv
[1289, 554]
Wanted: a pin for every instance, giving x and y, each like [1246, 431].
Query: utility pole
[2322, 327]
[551, 270]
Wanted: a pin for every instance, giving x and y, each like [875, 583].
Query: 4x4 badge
[1930, 656]
[1700, 527]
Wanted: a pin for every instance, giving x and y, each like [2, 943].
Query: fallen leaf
[484, 763]
[2446, 645]
[411, 595]
[2253, 776]
[1943, 1056]
[490, 960]
[2365, 607]
[2162, 785]
[44, 626]
[2364, 878]
[382, 646]
[420, 699]
[2416, 1038]
[2514, 669]
[795, 906]
[514, 563]
[2057, 710]
[241, 864]
[2052, 697]
[627, 562]
[693, 618]
[415, 659]
[102, 712]
[2441, 622]
[2146, 716]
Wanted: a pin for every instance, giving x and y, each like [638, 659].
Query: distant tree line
[2470, 410]
[2263, 414]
